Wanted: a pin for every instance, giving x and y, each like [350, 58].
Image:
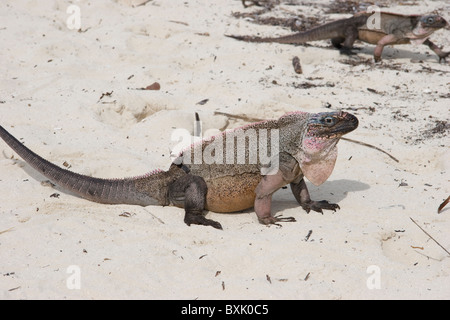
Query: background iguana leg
[263, 201]
[386, 40]
[301, 193]
[190, 192]
[337, 42]
[442, 54]
[351, 35]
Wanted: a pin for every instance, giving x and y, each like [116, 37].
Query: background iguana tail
[333, 30]
[110, 191]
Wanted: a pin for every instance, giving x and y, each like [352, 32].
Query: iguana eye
[328, 121]
[430, 20]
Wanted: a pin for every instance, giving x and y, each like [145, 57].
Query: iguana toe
[274, 220]
[319, 205]
[201, 220]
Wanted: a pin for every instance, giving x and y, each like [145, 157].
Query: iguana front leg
[384, 41]
[301, 194]
[441, 54]
[263, 201]
[288, 170]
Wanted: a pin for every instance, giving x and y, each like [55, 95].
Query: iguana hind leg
[301, 193]
[345, 44]
[337, 42]
[189, 191]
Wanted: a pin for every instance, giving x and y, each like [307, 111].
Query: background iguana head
[432, 21]
[425, 26]
[318, 151]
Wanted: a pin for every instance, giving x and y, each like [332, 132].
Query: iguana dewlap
[230, 172]
[379, 28]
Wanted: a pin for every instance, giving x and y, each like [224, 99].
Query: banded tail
[109, 191]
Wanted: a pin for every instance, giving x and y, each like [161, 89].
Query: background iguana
[391, 29]
[301, 144]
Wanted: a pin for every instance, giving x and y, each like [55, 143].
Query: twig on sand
[4, 231]
[443, 204]
[370, 146]
[429, 236]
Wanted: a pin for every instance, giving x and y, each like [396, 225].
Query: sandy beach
[71, 82]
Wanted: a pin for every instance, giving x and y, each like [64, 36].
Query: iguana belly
[373, 36]
[232, 193]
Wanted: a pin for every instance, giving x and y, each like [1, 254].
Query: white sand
[52, 79]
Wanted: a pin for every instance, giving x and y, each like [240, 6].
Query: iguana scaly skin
[392, 29]
[299, 145]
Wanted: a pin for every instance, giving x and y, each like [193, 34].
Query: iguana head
[425, 26]
[325, 126]
[432, 21]
[318, 152]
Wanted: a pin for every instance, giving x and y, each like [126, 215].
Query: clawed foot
[443, 56]
[377, 59]
[274, 220]
[201, 220]
[347, 51]
[319, 205]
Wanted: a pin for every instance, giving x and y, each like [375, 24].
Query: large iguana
[230, 172]
[380, 28]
